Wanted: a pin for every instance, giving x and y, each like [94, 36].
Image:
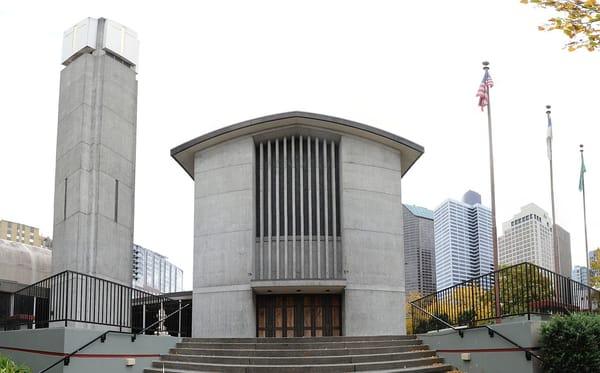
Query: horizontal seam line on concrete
[88, 214]
[372, 231]
[222, 193]
[221, 167]
[372, 191]
[373, 166]
[92, 144]
[223, 232]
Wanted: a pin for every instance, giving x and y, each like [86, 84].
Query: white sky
[411, 68]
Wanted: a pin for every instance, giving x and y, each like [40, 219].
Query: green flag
[581, 175]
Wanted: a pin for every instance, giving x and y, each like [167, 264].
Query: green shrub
[571, 344]
[9, 366]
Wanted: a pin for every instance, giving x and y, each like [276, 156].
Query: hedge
[571, 344]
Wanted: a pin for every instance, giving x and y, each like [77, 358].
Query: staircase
[320, 354]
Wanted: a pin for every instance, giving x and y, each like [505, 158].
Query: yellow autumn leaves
[579, 20]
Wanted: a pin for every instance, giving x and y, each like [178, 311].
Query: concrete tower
[95, 151]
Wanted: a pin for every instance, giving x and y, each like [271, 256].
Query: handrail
[67, 357]
[460, 332]
[102, 337]
[134, 335]
[528, 352]
[491, 332]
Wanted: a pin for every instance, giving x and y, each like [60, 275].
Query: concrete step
[283, 344]
[298, 353]
[302, 339]
[435, 368]
[349, 367]
[310, 360]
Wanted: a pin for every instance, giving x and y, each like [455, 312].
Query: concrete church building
[298, 227]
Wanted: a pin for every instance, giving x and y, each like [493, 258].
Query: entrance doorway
[311, 315]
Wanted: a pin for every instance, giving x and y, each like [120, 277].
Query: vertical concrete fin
[277, 210]
[294, 262]
[302, 228]
[269, 211]
[261, 208]
[333, 210]
[310, 230]
[326, 208]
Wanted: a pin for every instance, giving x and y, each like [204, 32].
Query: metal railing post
[528, 295]
[179, 324]
[11, 311]
[67, 308]
[34, 313]
[143, 316]
[120, 308]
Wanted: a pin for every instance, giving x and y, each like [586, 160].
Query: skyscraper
[95, 151]
[580, 274]
[527, 237]
[463, 240]
[564, 250]
[152, 272]
[419, 251]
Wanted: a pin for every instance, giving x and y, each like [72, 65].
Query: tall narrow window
[65, 202]
[116, 199]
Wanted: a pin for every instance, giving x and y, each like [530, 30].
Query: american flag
[483, 91]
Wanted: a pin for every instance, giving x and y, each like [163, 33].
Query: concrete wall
[40, 348]
[372, 237]
[489, 355]
[95, 147]
[224, 240]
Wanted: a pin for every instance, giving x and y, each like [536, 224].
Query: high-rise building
[580, 274]
[419, 250]
[463, 240]
[564, 251]
[152, 272]
[527, 237]
[95, 151]
[22, 233]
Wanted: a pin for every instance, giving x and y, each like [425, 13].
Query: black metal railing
[65, 360]
[69, 297]
[523, 289]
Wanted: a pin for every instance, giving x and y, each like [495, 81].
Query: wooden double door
[310, 315]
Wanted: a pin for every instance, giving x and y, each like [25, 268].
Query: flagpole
[486, 67]
[554, 232]
[587, 259]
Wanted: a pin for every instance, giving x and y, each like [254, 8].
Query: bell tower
[95, 151]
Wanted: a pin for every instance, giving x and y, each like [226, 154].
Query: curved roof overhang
[184, 153]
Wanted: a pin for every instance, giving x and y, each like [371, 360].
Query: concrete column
[223, 240]
[373, 238]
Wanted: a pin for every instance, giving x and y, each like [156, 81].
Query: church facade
[298, 227]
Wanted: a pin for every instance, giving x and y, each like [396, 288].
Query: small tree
[579, 20]
[521, 286]
[412, 296]
[594, 271]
